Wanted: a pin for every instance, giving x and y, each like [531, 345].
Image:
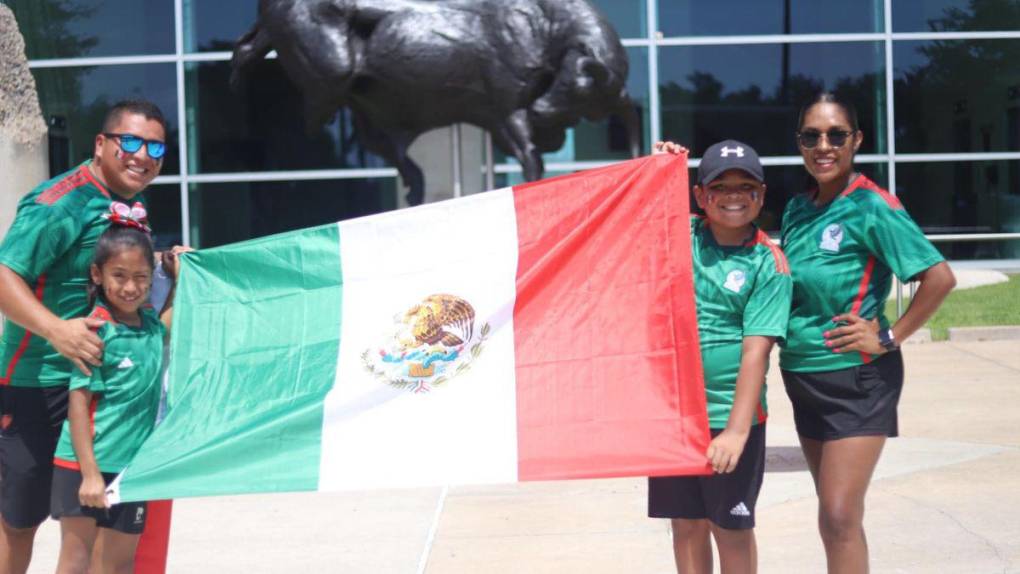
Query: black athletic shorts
[29, 428]
[859, 401]
[728, 500]
[128, 517]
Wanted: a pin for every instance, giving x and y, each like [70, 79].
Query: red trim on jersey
[862, 290]
[864, 183]
[6, 380]
[53, 193]
[95, 182]
[82, 176]
[761, 413]
[68, 464]
[762, 238]
[101, 313]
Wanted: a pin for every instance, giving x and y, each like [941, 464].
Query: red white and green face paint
[731, 201]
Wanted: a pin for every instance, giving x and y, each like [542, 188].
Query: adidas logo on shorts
[740, 510]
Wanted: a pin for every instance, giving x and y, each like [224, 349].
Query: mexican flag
[544, 331]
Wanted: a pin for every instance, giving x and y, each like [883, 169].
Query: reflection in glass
[74, 101]
[744, 17]
[62, 29]
[964, 197]
[215, 26]
[957, 96]
[164, 203]
[753, 93]
[627, 18]
[228, 212]
[955, 15]
[607, 139]
[262, 128]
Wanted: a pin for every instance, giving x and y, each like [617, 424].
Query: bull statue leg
[632, 122]
[393, 148]
[515, 134]
[253, 46]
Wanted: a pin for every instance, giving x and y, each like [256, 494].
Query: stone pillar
[23, 151]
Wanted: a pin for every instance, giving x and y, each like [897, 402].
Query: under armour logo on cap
[727, 155]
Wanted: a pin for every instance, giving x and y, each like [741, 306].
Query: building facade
[936, 83]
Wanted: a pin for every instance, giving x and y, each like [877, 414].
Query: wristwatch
[887, 340]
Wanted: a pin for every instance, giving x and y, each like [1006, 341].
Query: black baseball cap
[727, 155]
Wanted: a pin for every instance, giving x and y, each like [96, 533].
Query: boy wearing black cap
[742, 288]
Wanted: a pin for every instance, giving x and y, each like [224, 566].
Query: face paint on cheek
[118, 154]
[754, 196]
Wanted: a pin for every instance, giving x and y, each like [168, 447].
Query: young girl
[111, 412]
[841, 362]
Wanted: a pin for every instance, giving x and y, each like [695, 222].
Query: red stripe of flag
[606, 345]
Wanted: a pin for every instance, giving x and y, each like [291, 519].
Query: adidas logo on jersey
[127, 363]
[740, 510]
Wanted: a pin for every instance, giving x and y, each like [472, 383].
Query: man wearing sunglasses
[44, 262]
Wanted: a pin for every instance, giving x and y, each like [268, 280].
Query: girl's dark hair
[829, 98]
[115, 239]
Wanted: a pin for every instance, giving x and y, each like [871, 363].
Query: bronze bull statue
[524, 70]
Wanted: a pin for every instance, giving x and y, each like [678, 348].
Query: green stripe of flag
[256, 332]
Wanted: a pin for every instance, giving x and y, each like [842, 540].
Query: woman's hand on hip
[856, 334]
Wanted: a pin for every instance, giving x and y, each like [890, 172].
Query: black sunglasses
[809, 139]
[131, 144]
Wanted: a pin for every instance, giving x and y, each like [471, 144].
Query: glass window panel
[957, 96]
[228, 212]
[164, 201]
[262, 128]
[745, 17]
[212, 26]
[752, 93]
[964, 197]
[74, 101]
[628, 18]
[62, 29]
[955, 15]
[607, 139]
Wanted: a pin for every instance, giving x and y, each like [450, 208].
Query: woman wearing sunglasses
[841, 363]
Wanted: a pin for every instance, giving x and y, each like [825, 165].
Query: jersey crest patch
[735, 280]
[832, 236]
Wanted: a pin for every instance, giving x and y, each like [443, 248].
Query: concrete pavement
[946, 498]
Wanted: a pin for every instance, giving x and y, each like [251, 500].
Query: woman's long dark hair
[829, 98]
[115, 239]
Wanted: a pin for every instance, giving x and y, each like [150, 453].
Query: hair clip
[134, 216]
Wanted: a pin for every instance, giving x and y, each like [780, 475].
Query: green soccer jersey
[126, 391]
[50, 245]
[740, 291]
[843, 256]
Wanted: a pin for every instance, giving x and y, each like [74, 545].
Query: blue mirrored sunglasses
[131, 144]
